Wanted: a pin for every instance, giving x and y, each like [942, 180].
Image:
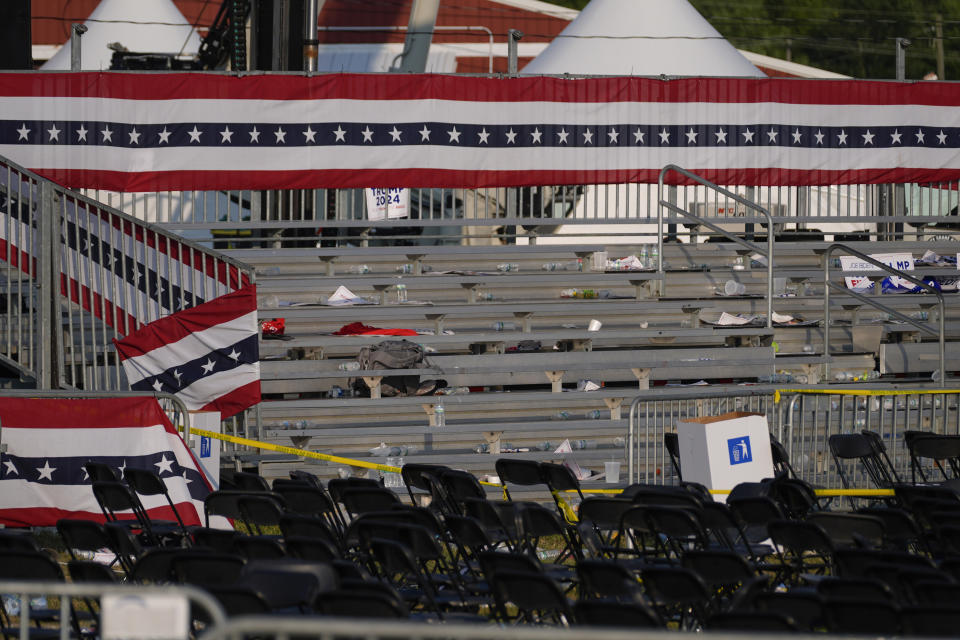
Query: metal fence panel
[654, 414]
[808, 418]
[239, 218]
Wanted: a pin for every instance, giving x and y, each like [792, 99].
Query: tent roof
[643, 38]
[154, 26]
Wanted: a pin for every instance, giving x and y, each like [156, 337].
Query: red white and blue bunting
[148, 132]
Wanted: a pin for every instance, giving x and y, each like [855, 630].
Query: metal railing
[326, 628]
[808, 417]
[655, 413]
[664, 204]
[801, 419]
[252, 218]
[140, 596]
[79, 274]
[828, 286]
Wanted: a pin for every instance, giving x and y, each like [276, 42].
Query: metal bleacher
[456, 295]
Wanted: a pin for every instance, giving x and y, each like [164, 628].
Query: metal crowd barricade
[808, 417]
[655, 413]
[327, 628]
[67, 592]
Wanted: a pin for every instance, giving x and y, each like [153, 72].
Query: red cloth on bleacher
[360, 329]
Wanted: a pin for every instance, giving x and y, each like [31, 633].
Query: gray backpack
[394, 354]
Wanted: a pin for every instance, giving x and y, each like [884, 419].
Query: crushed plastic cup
[392, 479]
[734, 288]
[611, 470]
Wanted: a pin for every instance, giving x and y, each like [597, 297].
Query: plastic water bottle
[358, 268]
[593, 415]
[440, 415]
[405, 268]
[503, 326]
[350, 366]
[583, 444]
[561, 415]
[653, 256]
[401, 293]
[776, 378]
[644, 256]
[573, 265]
[336, 391]
[508, 266]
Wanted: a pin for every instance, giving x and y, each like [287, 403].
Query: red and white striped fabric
[42, 478]
[139, 132]
[207, 355]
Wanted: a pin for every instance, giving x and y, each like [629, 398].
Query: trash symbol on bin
[739, 449]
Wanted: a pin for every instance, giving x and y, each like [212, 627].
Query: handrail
[827, 286]
[747, 203]
[66, 591]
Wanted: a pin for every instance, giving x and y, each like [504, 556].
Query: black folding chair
[846, 448]
[536, 598]
[626, 615]
[145, 482]
[524, 473]
[671, 443]
[118, 503]
[941, 453]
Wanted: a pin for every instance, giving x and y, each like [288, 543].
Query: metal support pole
[902, 44]
[416, 47]
[311, 13]
[513, 37]
[75, 48]
[48, 329]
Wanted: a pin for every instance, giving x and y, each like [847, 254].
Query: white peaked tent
[641, 38]
[645, 38]
[148, 26]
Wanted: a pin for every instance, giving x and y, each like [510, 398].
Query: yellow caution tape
[865, 392]
[256, 444]
[568, 511]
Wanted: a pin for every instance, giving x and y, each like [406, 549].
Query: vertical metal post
[281, 36]
[902, 44]
[311, 13]
[75, 48]
[47, 334]
[416, 47]
[826, 315]
[513, 37]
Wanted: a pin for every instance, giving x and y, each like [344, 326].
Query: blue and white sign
[739, 450]
[205, 446]
[387, 204]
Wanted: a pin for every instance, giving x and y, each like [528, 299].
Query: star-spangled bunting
[42, 475]
[207, 355]
[136, 132]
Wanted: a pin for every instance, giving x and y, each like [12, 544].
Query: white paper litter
[344, 296]
[628, 263]
[729, 319]
[781, 318]
[564, 447]
[578, 472]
